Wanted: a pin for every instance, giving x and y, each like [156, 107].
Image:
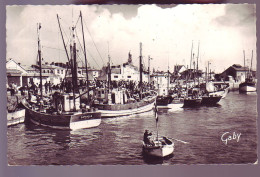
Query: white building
[127, 71]
[14, 72]
[160, 81]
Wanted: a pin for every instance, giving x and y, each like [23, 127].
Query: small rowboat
[160, 147]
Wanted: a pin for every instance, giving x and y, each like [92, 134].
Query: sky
[215, 33]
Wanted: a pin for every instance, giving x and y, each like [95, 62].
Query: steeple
[129, 57]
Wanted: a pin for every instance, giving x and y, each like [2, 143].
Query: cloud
[166, 33]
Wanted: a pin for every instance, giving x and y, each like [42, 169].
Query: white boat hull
[16, 117]
[172, 106]
[158, 150]
[117, 113]
[247, 89]
[222, 93]
[85, 124]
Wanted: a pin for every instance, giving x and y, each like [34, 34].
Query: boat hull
[210, 100]
[69, 120]
[247, 88]
[158, 150]
[163, 100]
[174, 105]
[16, 117]
[192, 102]
[117, 110]
[222, 93]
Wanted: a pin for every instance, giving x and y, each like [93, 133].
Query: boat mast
[245, 63]
[74, 66]
[86, 64]
[141, 71]
[39, 55]
[149, 80]
[251, 62]
[109, 70]
[168, 78]
[63, 39]
[190, 60]
[194, 70]
[197, 75]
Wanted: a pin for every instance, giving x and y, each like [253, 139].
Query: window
[61, 71]
[115, 76]
[128, 76]
[58, 71]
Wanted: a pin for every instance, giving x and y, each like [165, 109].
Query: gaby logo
[227, 136]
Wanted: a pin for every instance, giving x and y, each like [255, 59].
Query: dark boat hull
[70, 120]
[163, 100]
[192, 102]
[210, 100]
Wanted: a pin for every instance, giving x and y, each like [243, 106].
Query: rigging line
[94, 42]
[63, 31]
[77, 22]
[93, 58]
[87, 50]
[79, 41]
[81, 60]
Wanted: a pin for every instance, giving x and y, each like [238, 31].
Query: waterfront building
[237, 72]
[127, 71]
[14, 72]
[161, 82]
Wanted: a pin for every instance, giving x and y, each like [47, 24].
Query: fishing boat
[15, 113]
[210, 100]
[221, 92]
[211, 95]
[115, 102]
[163, 101]
[193, 99]
[62, 110]
[157, 146]
[249, 85]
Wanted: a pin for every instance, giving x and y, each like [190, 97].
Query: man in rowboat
[146, 137]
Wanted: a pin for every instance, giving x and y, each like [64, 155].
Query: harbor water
[221, 134]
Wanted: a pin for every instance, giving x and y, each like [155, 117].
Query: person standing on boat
[146, 137]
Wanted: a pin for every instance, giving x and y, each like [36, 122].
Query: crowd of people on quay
[67, 86]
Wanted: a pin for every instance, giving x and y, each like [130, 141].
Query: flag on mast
[156, 113]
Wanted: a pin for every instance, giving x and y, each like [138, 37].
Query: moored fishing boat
[193, 99]
[15, 113]
[62, 110]
[115, 102]
[15, 117]
[210, 100]
[59, 119]
[125, 108]
[248, 86]
[192, 102]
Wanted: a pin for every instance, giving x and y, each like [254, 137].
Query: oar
[180, 140]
